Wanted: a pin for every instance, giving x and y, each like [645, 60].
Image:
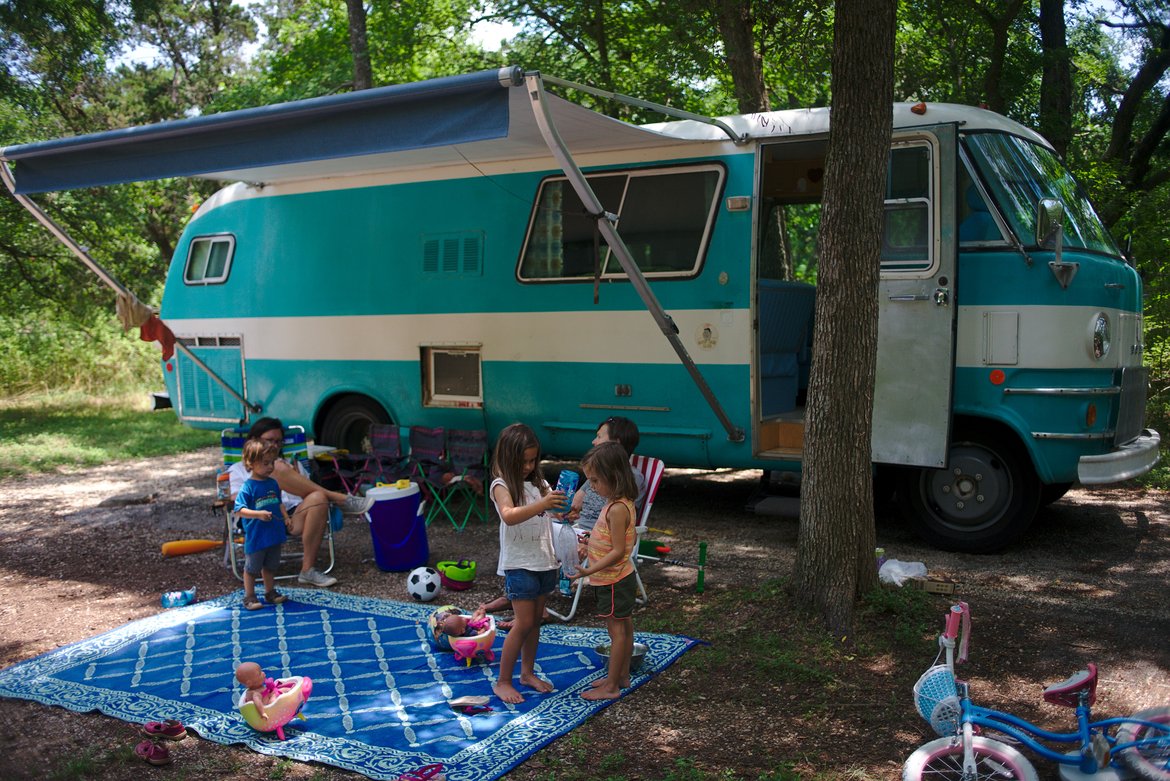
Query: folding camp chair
[428, 463]
[467, 457]
[295, 450]
[651, 469]
[386, 462]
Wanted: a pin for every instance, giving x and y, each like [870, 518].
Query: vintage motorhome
[473, 251]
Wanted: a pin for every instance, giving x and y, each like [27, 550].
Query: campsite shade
[475, 118]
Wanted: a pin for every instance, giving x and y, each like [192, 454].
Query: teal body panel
[1005, 278]
[359, 252]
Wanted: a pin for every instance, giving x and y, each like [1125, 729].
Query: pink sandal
[171, 729]
[425, 773]
[154, 753]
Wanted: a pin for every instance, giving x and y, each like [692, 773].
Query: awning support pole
[105, 276]
[605, 223]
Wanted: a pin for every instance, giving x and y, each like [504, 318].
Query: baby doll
[261, 690]
[456, 624]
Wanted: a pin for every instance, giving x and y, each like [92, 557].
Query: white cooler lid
[384, 492]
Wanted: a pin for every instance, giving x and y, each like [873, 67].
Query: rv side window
[664, 216]
[208, 259]
[906, 235]
[452, 377]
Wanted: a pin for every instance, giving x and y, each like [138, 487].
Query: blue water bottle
[567, 483]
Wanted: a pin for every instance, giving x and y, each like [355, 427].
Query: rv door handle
[942, 296]
[910, 298]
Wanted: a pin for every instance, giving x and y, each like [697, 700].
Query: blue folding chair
[295, 450]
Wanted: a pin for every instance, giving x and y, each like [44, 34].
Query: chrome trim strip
[1090, 436]
[1112, 390]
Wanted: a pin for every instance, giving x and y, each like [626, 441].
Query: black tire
[983, 500]
[1053, 492]
[1151, 762]
[347, 423]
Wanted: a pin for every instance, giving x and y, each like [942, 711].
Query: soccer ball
[423, 584]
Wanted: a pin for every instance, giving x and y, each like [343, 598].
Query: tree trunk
[1056, 80]
[358, 45]
[737, 28]
[835, 561]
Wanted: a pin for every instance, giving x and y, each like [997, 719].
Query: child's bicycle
[1136, 746]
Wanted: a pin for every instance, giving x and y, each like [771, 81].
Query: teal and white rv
[473, 251]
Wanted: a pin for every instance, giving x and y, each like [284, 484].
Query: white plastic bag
[897, 572]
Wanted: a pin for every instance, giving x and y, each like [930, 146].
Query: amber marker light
[997, 377]
[1090, 415]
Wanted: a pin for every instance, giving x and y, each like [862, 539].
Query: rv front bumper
[1132, 459]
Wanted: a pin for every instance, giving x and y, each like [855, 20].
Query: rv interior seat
[786, 315]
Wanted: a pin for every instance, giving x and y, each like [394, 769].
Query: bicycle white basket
[937, 699]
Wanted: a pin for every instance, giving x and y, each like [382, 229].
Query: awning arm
[739, 138]
[105, 276]
[605, 223]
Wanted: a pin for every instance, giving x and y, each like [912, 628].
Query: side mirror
[1050, 232]
[1049, 219]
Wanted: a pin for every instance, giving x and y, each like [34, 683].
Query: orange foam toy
[183, 547]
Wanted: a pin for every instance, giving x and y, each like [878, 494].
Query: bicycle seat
[1068, 693]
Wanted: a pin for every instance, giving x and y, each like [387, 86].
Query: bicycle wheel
[1150, 761]
[942, 759]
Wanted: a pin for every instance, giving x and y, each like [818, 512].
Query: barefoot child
[610, 572]
[522, 497]
[257, 501]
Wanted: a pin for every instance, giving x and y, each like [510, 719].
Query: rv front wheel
[984, 499]
[346, 423]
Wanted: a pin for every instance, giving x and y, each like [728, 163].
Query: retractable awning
[479, 118]
[476, 118]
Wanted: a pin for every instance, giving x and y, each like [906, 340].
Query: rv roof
[812, 121]
[473, 119]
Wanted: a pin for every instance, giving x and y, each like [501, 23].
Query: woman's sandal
[154, 753]
[275, 598]
[425, 773]
[171, 729]
[252, 604]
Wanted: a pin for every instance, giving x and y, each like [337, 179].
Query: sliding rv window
[664, 216]
[907, 237]
[209, 259]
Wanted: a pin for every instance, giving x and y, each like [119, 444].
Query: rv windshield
[1019, 173]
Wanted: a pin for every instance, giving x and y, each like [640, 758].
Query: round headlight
[1099, 336]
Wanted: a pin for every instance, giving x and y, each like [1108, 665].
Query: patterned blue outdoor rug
[379, 701]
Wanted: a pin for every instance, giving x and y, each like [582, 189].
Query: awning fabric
[477, 118]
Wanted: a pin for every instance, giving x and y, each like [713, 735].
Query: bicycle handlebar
[958, 623]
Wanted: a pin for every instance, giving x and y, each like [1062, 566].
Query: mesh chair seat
[463, 480]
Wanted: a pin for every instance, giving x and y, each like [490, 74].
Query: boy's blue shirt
[261, 495]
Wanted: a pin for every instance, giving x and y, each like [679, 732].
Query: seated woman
[307, 503]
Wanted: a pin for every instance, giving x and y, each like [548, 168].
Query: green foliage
[47, 431]
[40, 353]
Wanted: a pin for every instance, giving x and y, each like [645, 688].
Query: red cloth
[155, 330]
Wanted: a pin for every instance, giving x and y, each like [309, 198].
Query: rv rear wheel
[984, 499]
[347, 423]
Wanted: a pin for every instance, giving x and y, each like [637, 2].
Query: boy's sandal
[275, 598]
[154, 753]
[425, 773]
[252, 604]
[171, 729]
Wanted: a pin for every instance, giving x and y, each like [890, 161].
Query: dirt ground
[80, 555]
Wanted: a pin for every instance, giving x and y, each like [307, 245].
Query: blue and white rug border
[32, 680]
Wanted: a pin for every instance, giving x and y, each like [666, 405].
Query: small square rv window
[452, 377]
[208, 259]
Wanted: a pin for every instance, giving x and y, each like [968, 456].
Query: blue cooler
[398, 528]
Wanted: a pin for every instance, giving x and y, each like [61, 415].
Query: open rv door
[916, 311]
